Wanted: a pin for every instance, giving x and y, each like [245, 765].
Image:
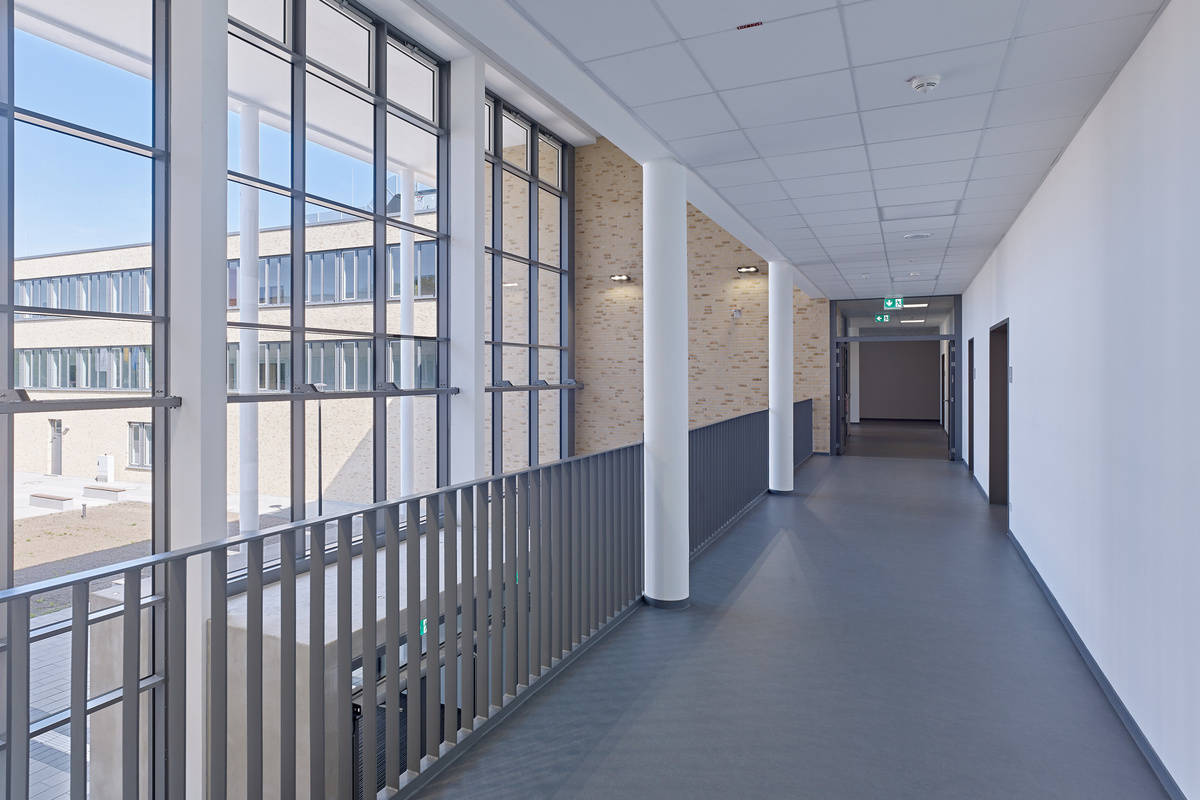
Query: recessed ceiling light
[910, 321]
[747, 270]
[918, 235]
[922, 84]
[916, 305]
[510, 285]
[619, 278]
[914, 274]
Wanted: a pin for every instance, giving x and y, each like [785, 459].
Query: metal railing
[422, 619]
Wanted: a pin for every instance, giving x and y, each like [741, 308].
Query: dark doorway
[971, 405]
[942, 389]
[998, 379]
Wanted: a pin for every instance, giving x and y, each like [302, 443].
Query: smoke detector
[922, 84]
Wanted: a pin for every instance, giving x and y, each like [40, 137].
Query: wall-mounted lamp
[620, 278]
[750, 270]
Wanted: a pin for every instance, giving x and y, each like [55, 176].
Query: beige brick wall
[727, 372]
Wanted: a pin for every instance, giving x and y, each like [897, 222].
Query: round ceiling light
[747, 270]
[923, 84]
[619, 278]
[918, 235]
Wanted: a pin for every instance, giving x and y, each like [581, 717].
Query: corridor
[874, 635]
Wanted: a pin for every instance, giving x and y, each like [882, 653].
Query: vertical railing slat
[79, 688]
[412, 634]
[483, 657]
[433, 690]
[521, 593]
[393, 758]
[497, 599]
[544, 568]
[316, 660]
[254, 669]
[17, 751]
[218, 670]
[535, 573]
[510, 586]
[369, 725]
[287, 663]
[344, 653]
[466, 557]
[176, 729]
[450, 582]
[131, 699]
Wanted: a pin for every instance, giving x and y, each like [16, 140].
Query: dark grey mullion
[442, 420]
[381, 347]
[566, 317]
[497, 291]
[6, 297]
[299, 276]
[534, 301]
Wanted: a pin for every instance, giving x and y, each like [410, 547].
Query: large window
[335, 177]
[528, 344]
[140, 452]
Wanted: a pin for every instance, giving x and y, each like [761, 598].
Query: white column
[665, 372]
[780, 371]
[247, 377]
[197, 252]
[405, 380]
[466, 279]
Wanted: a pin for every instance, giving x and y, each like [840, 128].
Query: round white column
[665, 343]
[779, 376]
[247, 291]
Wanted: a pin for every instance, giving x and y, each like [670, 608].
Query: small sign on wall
[883, 317]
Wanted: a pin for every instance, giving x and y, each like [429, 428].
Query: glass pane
[99, 80]
[549, 162]
[515, 302]
[82, 357]
[412, 306]
[338, 457]
[259, 484]
[549, 306]
[487, 300]
[73, 195]
[516, 365]
[267, 369]
[339, 41]
[267, 215]
[549, 426]
[338, 363]
[516, 431]
[549, 365]
[487, 126]
[260, 113]
[515, 211]
[411, 82]
[79, 500]
[339, 271]
[264, 15]
[411, 445]
[487, 204]
[515, 142]
[412, 174]
[412, 363]
[549, 228]
[339, 144]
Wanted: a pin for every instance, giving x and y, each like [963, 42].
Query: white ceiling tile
[802, 137]
[828, 184]
[968, 71]
[835, 202]
[696, 19]
[770, 208]
[675, 75]
[856, 254]
[1036, 162]
[825, 162]
[845, 230]
[1011, 184]
[1043, 135]
[920, 194]
[689, 116]
[714, 148]
[919, 210]
[786, 224]
[926, 119]
[854, 239]
[919, 224]
[923, 174]
[753, 193]
[1073, 52]
[931, 149]
[787, 48]
[791, 100]
[885, 30]
[594, 30]
[842, 217]
[1044, 16]
[998, 202]
[737, 173]
[1048, 100]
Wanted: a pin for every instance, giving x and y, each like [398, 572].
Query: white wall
[1099, 276]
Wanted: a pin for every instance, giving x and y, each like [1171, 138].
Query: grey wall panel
[898, 380]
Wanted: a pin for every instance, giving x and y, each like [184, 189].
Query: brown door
[998, 371]
[971, 404]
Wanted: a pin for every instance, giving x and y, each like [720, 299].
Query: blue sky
[71, 194]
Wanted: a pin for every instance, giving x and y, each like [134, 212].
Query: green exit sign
[422, 627]
[883, 317]
[893, 302]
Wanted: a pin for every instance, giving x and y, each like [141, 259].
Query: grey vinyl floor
[873, 636]
[881, 438]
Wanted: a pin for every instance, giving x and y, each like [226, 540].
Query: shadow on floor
[875, 635]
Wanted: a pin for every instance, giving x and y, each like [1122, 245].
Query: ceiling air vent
[922, 84]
